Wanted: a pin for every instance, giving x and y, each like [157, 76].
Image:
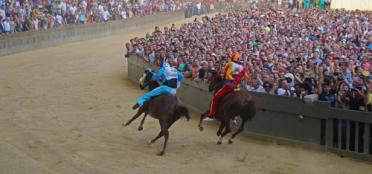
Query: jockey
[171, 80]
[233, 75]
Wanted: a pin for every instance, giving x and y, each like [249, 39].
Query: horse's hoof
[125, 125]
[219, 142]
[149, 143]
[201, 128]
[161, 153]
[230, 141]
[140, 128]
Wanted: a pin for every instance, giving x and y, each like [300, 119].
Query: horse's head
[146, 78]
[216, 82]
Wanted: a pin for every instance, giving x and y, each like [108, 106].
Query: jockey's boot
[135, 106]
[209, 118]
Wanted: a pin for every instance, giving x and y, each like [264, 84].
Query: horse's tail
[181, 110]
[250, 110]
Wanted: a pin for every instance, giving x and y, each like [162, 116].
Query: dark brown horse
[239, 103]
[166, 108]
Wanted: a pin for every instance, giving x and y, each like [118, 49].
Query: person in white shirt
[62, 5]
[257, 87]
[84, 4]
[284, 89]
[6, 26]
[59, 20]
[73, 9]
[101, 8]
[291, 3]
[123, 14]
[36, 24]
[106, 15]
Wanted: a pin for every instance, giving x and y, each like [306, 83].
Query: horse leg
[165, 132]
[140, 127]
[202, 116]
[160, 134]
[241, 127]
[156, 138]
[220, 129]
[139, 112]
[225, 131]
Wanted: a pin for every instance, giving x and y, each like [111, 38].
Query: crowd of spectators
[289, 52]
[26, 15]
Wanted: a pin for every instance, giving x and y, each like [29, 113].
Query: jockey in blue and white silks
[171, 80]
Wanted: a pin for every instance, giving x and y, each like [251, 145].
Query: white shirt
[63, 6]
[106, 15]
[6, 26]
[59, 19]
[73, 9]
[84, 4]
[36, 24]
[112, 2]
[198, 6]
[260, 89]
[283, 92]
[22, 11]
[100, 8]
[124, 14]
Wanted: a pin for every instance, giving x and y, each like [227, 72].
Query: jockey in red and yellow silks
[234, 74]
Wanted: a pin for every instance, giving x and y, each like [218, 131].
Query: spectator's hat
[289, 76]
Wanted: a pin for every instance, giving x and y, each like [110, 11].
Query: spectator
[268, 88]
[106, 15]
[368, 98]
[325, 54]
[35, 15]
[6, 26]
[327, 94]
[284, 89]
[203, 72]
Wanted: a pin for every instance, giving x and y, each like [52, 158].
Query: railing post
[348, 134]
[339, 130]
[329, 133]
[356, 136]
[366, 138]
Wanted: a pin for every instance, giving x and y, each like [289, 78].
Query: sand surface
[61, 110]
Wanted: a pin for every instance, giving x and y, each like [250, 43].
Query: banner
[352, 5]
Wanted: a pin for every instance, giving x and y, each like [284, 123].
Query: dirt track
[61, 110]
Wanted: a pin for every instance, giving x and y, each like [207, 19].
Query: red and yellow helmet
[235, 57]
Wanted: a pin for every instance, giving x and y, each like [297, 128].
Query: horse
[166, 108]
[238, 103]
